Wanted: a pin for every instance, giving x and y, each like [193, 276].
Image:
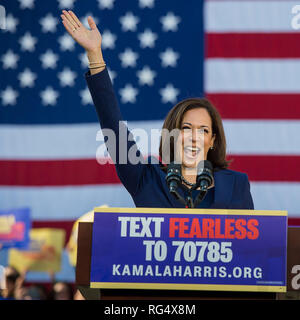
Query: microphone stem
[189, 200]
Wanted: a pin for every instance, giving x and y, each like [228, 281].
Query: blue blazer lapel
[224, 182]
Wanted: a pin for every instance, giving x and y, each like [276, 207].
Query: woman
[200, 136]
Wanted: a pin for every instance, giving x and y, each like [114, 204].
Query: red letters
[229, 228]
[218, 234]
[195, 229]
[213, 228]
[252, 224]
[173, 226]
[208, 228]
[241, 230]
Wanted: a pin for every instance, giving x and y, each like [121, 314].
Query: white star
[28, 42]
[49, 96]
[27, 78]
[62, 4]
[86, 97]
[49, 59]
[49, 23]
[112, 74]
[11, 23]
[2, 20]
[146, 76]
[84, 20]
[26, 4]
[84, 60]
[128, 94]
[108, 40]
[106, 4]
[169, 93]
[66, 42]
[146, 3]
[169, 58]
[170, 22]
[147, 38]
[10, 60]
[128, 58]
[129, 22]
[9, 96]
[67, 77]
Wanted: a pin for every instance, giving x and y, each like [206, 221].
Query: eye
[202, 130]
[185, 128]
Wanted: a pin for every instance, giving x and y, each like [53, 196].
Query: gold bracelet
[102, 63]
[96, 67]
[96, 62]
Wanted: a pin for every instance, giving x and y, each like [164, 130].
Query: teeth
[192, 149]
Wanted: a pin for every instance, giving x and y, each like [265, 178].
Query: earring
[211, 148]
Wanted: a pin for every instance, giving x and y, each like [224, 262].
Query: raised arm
[105, 101]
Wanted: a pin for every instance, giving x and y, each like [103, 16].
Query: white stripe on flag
[63, 203]
[252, 75]
[266, 137]
[79, 142]
[68, 203]
[249, 16]
[276, 196]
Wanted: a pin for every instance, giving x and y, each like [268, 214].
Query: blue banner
[242, 250]
[15, 225]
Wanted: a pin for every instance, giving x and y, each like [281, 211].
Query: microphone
[204, 180]
[205, 177]
[173, 179]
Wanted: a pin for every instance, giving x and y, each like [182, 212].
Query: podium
[113, 233]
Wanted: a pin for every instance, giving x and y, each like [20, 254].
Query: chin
[190, 164]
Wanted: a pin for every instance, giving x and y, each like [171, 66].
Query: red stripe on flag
[252, 45]
[86, 172]
[267, 168]
[256, 106]
[56, 173]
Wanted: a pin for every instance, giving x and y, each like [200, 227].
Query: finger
[68, 27]
[70, 19]
[92, 23]
[73, 15]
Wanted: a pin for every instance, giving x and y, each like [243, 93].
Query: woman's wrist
[96, 61]
[95, 55]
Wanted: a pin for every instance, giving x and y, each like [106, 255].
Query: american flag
[243, 55]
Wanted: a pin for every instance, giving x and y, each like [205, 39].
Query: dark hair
[174, 118]
[13, 274]
[68, 287]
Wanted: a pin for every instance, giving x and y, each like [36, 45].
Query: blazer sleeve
[109, 116]
[247, 197]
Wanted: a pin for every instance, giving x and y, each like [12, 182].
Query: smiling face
[191, 118]
[196, 137]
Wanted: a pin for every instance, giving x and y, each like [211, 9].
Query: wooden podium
[83, 270]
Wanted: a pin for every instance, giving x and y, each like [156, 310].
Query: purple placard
[15, 225]
[234, 251]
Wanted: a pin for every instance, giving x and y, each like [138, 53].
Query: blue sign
[192, 249]
[15, 225]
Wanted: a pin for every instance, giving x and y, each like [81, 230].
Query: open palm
[90, 40]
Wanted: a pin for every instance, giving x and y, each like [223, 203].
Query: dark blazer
[145, 181]
[232, 190]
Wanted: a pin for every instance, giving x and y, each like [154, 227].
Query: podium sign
[189, 249]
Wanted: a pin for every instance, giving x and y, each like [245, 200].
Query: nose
[197, 135]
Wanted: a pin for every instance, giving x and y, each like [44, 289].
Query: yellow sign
[72, 244]
[44, 254]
